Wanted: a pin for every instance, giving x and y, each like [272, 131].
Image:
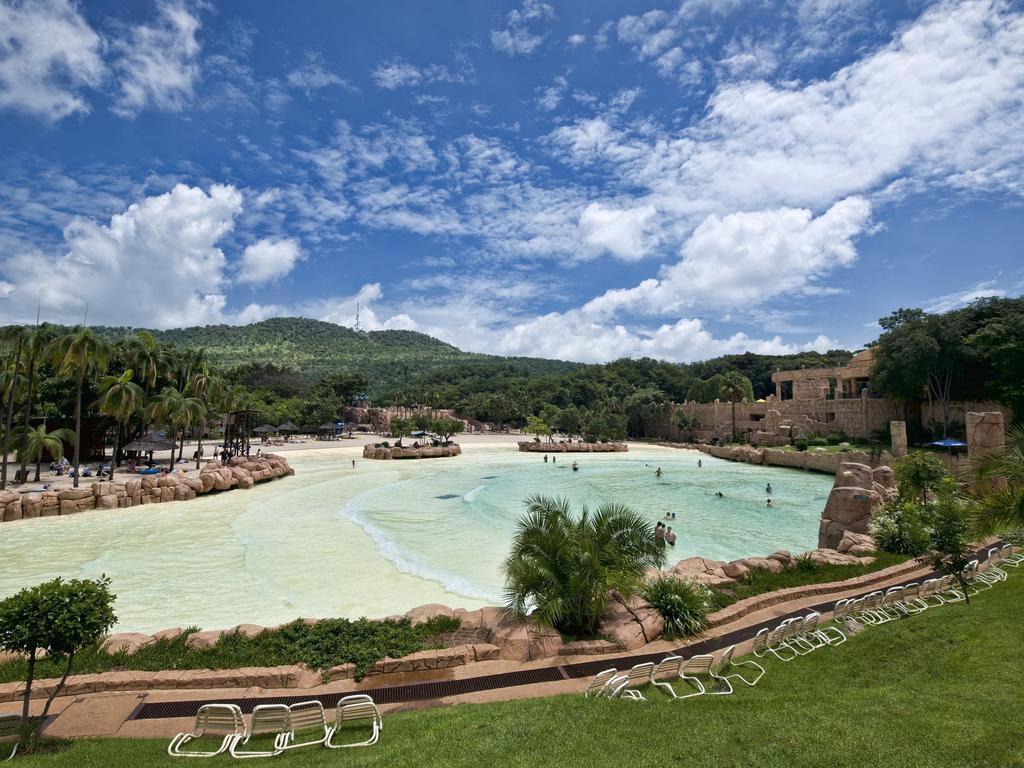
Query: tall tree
[735, 387]
[79, 353]
[120, 398]
[15, 333]
[178, 411]
[35, 351]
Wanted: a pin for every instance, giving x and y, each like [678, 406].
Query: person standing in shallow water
[657, 472]
[768, 489]
[700, 463]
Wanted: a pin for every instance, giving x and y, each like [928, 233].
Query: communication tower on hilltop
[357, 318]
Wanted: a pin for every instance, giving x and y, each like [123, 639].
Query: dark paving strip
[398, 694]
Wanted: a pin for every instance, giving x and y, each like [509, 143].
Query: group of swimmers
[664, 535]
[554, 460]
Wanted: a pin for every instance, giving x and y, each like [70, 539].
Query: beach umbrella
[289, 427]
[265, 429]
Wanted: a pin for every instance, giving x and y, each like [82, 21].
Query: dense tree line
[972, 353]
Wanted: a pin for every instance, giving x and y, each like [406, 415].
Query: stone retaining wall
[239, 472]
[532, 446]
[811, 460]
[423, 452]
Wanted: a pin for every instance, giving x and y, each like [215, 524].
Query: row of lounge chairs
[699, 675]
[800, 635]
[274, 728]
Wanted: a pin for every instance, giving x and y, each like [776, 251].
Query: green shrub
[807, 564]
[835, 438]
[902, 527]
[919, 473]
[801, 442]
[818, 441]
[682, 604]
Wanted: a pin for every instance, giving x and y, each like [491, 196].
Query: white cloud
[268, 259]
[983, 290]
[622, 233]
[399, 73]
[519, 37]
[577, 40]
[156, 264]
[745, 259]
[158, 63]
[48, 53]
[315, 75]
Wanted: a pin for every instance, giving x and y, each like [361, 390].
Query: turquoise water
[387, 536]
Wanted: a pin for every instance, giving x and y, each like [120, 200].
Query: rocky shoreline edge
[239, 472]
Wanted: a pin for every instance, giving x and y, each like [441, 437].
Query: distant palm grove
[182, 379]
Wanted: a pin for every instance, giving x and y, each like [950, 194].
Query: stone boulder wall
[146, 489]
[532, 446]
[423, 452]
[858, 493]
[630, 622]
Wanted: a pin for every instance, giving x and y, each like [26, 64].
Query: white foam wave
[470, 497]
[409, 563]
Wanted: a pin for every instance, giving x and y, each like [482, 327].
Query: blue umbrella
[949, 443]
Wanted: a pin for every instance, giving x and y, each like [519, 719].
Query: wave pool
[388, 536]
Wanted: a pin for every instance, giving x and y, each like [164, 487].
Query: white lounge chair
[1011, 558]
[10, 730]
[219, 721]
[726, 670]
[599, 685]
[871, 609]
[792, 636]
[994, 564]
[305, 718]
[767, 641]
[697, 667]
[636, 678]
[673, 668]
[266, 719]
[827, 634]
[353, 709]
[912, 599]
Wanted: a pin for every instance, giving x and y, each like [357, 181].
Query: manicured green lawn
[943, 689]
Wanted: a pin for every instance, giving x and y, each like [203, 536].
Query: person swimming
[719, 494]
[575, 467]
[768, 503]
[700, 463]
[768, 489]
[657, 472]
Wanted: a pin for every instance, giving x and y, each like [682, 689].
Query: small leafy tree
[446, 427]
[568, 420]
[902, 527]
[688, 425]
[401, 428]
[950, 540]
[58, 617]
[537, 426]
[563, 564]
[38, 442]
[919, 473]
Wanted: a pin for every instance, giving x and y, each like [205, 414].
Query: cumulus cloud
[268, 259]
[156, 264]
[622, 233]
[744, 259]
[520, 37]
[158, 63]
[577, 40]
[399, 73]
[48, 53]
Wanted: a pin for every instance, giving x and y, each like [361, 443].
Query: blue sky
[576, 180]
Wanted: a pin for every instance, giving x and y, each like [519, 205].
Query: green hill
[315, 348]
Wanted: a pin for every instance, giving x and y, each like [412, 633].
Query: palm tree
[120, 398]
[563, 565]
[999, 487]
[15, 333]
[178, 411]
[35, 349]
[206, 387]
[147, 358]
[734, 389]
[79, 353]
[38, 443]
